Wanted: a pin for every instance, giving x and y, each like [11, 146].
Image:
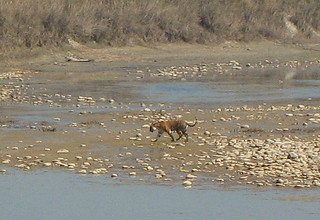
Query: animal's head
[152, 128]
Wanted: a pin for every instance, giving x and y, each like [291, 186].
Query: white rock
[86, 163]
[6, 161]
[187, 183]
[244, 126]
[158, 176]
[47, 164]
[63, 151]
[293, 155]
[83, 171]
[149, 168]
[237, 67]
[190, 176]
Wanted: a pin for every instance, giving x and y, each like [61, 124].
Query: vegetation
[38, 23]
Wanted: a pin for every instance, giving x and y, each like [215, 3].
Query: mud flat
[258, 114]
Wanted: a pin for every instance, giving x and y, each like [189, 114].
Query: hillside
[43, 23]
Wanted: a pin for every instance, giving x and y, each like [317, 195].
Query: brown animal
[179, 126]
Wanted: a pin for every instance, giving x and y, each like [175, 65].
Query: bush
[37, 23]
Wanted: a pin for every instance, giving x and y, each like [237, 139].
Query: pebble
[237, 67]
[83, 171]
[47, 164]
[158, 176]
[244, 126]
[293, 155]
[190, 176]
[62, 151]
[23, 166]
[149, 168]
[6, 161]
[187, 183]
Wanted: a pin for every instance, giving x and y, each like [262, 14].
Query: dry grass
[38, 23]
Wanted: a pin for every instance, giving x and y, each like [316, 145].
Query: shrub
[34, 23]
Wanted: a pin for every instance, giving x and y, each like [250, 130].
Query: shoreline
[272, 144]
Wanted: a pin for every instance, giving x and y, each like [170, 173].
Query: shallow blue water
[221, 93]
[62, 195]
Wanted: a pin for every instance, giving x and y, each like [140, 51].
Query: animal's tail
[194, 124]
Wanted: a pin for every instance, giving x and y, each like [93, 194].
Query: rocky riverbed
[97, 123]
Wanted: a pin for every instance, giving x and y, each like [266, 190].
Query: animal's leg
[158, 136]
[180, 135]
[186, 135]
[170, 134]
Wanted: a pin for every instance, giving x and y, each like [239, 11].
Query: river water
[63, 195]
[254, 87]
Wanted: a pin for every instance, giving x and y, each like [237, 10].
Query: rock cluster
[261, 145]
[231, 67]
